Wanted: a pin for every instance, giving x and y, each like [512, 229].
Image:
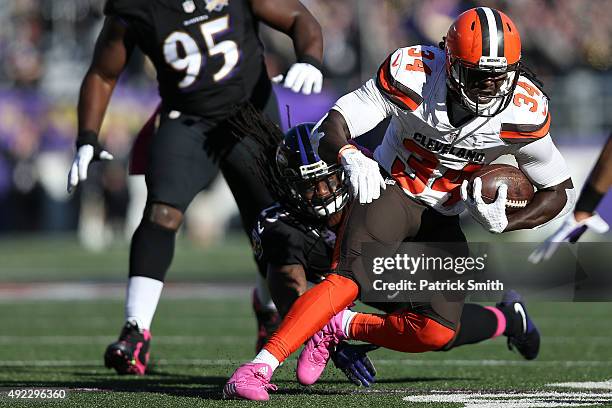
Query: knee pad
[164, 216]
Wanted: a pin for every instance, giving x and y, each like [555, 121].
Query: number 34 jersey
[426, 155]
[207, 53]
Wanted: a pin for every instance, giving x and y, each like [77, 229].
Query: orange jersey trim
[398, 93]
[513, 133]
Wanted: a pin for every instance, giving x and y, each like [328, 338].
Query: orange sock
[403, 331]
[310, 313]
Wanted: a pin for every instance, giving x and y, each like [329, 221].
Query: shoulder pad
[405, 74]
[527, 118]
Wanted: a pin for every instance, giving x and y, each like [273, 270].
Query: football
[520, 189]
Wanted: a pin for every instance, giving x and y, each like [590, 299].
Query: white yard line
[533, 399]
[589, 385]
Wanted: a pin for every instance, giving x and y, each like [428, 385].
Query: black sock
[151, 251]
[477, 324]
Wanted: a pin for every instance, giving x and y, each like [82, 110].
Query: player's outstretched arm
[111, 53]
[363, 173]
[286, 284]
[584, 216]
[293, 19]
[597, 185]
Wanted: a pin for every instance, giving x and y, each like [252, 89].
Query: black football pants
[185, 156]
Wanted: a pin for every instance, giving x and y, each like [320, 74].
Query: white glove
[363, 174]
[570, 231]
[84, 155]
[491, 216]
[302, 76]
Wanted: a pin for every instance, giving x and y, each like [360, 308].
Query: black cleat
[527, 342]
[129, 354]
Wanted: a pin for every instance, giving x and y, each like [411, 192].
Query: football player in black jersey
[209, 62]
[295, 237]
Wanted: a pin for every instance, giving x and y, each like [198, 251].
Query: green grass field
[198, 343]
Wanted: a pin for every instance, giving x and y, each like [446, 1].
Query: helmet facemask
[315, 191]
[484, 89]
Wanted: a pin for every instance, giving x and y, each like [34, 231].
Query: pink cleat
[251, 381]
[317, 350]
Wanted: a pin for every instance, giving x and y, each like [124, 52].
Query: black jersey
[280, 239]
[207, 53]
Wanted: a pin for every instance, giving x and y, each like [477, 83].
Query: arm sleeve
[542, 162]
[364, 108]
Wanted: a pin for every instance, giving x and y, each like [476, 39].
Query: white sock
[266, 357]
[141, 300]
[263, 293]
[347, 318]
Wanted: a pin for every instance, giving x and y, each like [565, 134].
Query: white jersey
[426, 155]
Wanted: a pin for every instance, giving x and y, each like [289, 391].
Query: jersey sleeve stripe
[402, 96]
[514, 133]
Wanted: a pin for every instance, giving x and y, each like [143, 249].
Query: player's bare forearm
[286, 284]
[93, 99]
[293, 19]
[337, 135]
[597, 185]
[546, 205]
[601, 176]
[110, 57]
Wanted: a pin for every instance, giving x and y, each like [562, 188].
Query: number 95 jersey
[207, 53]
[428, 156]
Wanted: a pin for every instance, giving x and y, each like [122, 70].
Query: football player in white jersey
[454, 108]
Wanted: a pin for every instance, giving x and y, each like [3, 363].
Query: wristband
[343, 148]
[589, 199]
[87, 137]
[312, 61]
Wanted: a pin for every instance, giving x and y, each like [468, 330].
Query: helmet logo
[493, 63]
[313, 169]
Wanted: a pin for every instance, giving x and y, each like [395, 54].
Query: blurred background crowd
[46, 45]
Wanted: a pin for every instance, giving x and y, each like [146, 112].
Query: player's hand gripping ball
[520, 190]
[493, 192]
